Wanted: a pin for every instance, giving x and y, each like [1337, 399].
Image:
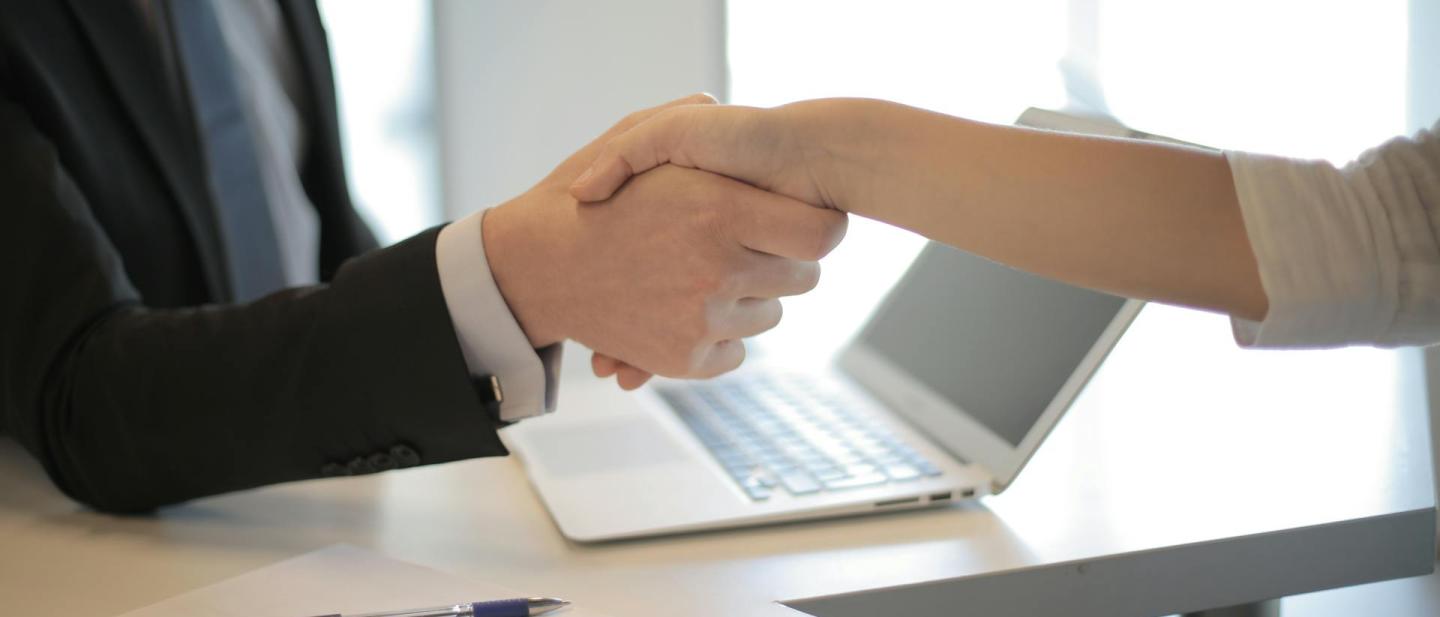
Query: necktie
[228, 139]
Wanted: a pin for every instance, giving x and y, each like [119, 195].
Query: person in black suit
[192, 306]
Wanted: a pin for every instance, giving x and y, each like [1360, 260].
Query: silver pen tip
[541, 606]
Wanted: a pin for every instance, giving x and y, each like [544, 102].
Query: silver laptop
[945, 394]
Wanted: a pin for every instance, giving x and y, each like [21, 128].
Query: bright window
[1294, 77]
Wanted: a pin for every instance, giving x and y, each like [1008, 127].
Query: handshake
[661, 274]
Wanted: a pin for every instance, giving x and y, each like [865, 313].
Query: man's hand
[781, 150]
[665, 277]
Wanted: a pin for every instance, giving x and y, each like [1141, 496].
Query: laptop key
[758, 486]
[799, 483]
[860, 469]
[926, 468]
[732, 459]
[890, 455]
[869, 479]
[901, 472]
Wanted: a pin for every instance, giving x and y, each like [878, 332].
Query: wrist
[834, 139]
[516, 253]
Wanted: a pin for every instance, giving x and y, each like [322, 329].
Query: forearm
[1139, 219]
[147, 407]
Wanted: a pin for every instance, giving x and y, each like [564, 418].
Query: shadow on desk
[24, 483]
[283, 519]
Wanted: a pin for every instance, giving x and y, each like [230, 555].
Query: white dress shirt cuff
[489, 335]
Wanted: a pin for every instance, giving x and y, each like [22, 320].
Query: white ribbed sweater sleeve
[1347, 255]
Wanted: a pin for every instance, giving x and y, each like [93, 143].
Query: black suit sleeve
[130, 408]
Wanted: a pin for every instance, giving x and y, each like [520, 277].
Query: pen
[515, 607]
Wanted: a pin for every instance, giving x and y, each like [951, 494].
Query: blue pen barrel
[517, 607]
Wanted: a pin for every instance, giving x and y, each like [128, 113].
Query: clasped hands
[661, 273]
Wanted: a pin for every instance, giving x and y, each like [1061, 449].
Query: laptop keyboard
[782, 433]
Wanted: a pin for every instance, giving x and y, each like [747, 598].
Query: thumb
[647, 145]
[629, 122]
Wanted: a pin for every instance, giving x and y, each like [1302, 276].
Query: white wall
[1424, 104]
[381, 50]
[523, 83]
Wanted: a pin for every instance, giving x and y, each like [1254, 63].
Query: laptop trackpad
[604, 446]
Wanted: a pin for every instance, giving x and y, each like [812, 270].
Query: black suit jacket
[123, 365]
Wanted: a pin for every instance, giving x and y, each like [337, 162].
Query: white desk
[1190, 475]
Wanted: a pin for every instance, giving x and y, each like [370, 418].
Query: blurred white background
[450, 106]
[383, 56]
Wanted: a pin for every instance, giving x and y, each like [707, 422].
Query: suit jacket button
[358, 466]
[382, 461]
[331, 470]
[405, 456]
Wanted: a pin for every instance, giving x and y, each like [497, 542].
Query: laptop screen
[996, 343]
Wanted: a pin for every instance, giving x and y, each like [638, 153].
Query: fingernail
[583, 177]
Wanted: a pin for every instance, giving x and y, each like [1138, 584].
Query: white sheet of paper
[338, 579]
